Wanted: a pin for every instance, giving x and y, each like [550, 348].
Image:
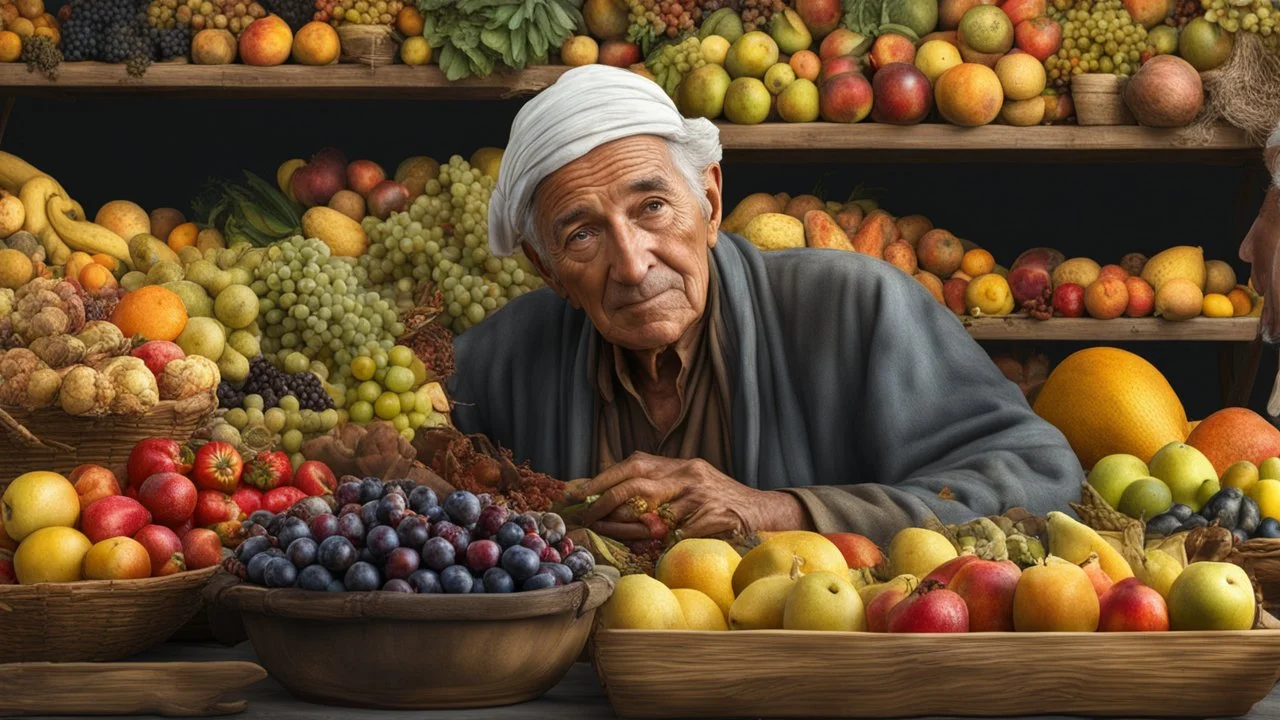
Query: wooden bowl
[400, 651]
[95, 620]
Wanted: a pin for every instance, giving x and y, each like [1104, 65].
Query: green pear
[203, 336]
[1113, 473]
[1212, 596]
[789, 31]
[1207, 491]
[1145, 498]
[701, 93]
[824, 601]
[751, 55]
[1185, 470]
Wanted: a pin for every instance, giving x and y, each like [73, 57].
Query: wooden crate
[779, 673]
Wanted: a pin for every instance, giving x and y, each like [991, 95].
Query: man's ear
[547, 277]
[713, 181]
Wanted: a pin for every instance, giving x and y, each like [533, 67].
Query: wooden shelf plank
[1243, 329]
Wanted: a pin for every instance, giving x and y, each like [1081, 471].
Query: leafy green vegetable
[475, 36]
[864, 16]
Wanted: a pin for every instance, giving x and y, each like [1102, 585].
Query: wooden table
[578, 696]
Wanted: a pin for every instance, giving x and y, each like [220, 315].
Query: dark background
[158, 152]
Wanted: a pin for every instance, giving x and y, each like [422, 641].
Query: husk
[1244, 93]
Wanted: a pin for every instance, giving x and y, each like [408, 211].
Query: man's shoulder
[809, 273]
[526, 324]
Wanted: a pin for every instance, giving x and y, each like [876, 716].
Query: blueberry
[262, 517]
[561, 572]
[302, 552]
[456, 579]
[370, 489]
[280, 573]
[397, 585]
[292, 529]
[438, 554]
[521, 562]
[1195, 521]
[413, 532]
[462, 507]
[251, 547]
[314, 577]
[541, 581]
[336, 586]
[477, 585]
[422, 499]
[256, 566]
[337, 553]
[509, 534]
[362, 577]
[381, 541]
[497, 580]
[425, 582]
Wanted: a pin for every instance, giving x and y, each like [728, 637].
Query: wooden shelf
[1243, 329]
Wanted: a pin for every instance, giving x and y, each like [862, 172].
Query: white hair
[692, 156]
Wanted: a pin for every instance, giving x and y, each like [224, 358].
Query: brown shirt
[624, 425]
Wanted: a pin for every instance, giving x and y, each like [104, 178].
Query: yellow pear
[1074, 541]
[701, 564]
[1159, 571]
[762, 604]
[641, 603]
[824, 601]
[778, 554]
[917, 551]
[700, 611]
[907, 582]
[38, 500]
[749, 207]
[1212, 596]
[1183, 261]
[774, 231]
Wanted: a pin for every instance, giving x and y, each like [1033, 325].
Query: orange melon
[1106, 400]
[1234, 434]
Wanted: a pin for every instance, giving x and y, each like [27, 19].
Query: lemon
[1266, 493]
[988, 295]
[415, 51]
[51, 554]
[1217, 306]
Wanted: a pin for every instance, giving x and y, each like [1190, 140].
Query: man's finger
[622, 531]
[637, 464]
[683, 508]
[703, 523]
[619, 494]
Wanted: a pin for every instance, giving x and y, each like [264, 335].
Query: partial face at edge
[624, 238]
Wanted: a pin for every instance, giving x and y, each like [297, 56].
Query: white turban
[586, 108]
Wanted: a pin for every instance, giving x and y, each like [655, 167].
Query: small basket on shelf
[1099, 99]
[369, 45]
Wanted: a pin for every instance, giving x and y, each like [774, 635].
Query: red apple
[930, 609]
[282, 498]
[1130, 606]
[837, 66]
[113, 516]
[845, 98]
[201, 548]
[903, 95]
[892, 48]
[947, 570]
[1068, 300]
[317, 181]
[164, 547]
[388, 197]
[859, 551]
[619, 53]
[249, 499]
[315, 478]
[93, 482]
[881, 605]
[157, 455]
[183, 527]
[987, 589]
[820, 16]
[1022, 10]
[364, 175]
[213, 507]
[1102, 582]
[155, 354]
[170, 497]
[1039, 37]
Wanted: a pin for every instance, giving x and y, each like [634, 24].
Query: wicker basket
[1099, 100]
[415, 652]
[50, 439]
[95, 620]
[371, 45]
[1261, 559]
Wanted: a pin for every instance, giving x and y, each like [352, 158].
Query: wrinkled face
[624, 238]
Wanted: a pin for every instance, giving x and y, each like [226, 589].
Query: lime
[400, 356]
[387, 406]
[400, 422]
[362, 367]
[1145, 498]
[399, 379]
[368, 391]
[419, 371]
[1269, 469]
[408, 402]
[1113, 474]
[360, 412]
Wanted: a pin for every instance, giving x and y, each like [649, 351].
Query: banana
[86, 236]
[35, 195]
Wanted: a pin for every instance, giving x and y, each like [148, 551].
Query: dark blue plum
[251, 547]
[401, 563]
[262, 517]
[462, 507]
[521, 562]
[526, 523]
[370, 489]
[456, 580]
[362, 577]
[509, 534]
[581, 562]
[336, 586]
[256, 566]
[337, 554]
[352, 528]
[460, 542]
[302, 552]
[562, 572]
[1180, 511]
[292, 529]
[314, 577]
[369, 513]
[477, 585]
[435, 514]
[422, 499]
[1268, 528]
[347, 493]
[438, 554]
[280, 573]
[426, 582]
[497, 580]
[413, 532]
[323, 525]
[381, 540]
[391, 509]
[367, 556]
[397, 585]
[541, 581]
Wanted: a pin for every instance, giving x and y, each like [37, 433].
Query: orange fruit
[969, 95]
[183, 236]
[152, 312]
[1241, 303]
[95, 277]
[977, 262]
[1233, 434]
[107, 262]
[10, 46]
[409, 22]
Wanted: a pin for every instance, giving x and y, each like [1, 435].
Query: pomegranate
[930, 609]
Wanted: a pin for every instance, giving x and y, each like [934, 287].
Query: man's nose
[632, 254]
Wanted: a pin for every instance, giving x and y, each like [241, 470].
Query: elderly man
[1261, 247]
[743, 391]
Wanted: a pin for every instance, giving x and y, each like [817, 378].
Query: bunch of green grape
[671, 62]
[314, 304]
[1098, 36]
[392, 385]
[444, 239]
[1254, 16]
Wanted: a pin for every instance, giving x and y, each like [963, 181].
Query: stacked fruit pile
[399, 537]
[929, 583]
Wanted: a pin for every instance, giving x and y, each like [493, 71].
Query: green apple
[1145, 498]
[1212, 596]
[1185, 470]
[1207, 491]
[824, 601]
[1270, 468]
[1113, 473]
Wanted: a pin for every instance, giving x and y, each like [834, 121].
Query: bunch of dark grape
[171, 42]
[399, 537]
[91, 27]
[756, 14]
[41, 55]
[1184, 11]
[273, 385]
[294, 12]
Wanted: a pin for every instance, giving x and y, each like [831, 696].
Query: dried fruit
[86, 391]
[188, 377]
[58, 351]
[134, 385]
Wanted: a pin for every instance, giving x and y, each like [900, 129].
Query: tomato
[218, 466]
[315, 478]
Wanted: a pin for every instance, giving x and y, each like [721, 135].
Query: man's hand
[700, 500]
[1261, 248]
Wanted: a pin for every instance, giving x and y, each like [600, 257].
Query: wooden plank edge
[1242, 329]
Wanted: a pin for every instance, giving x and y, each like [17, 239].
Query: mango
[775, 231]
[821, 231]
[343, 235]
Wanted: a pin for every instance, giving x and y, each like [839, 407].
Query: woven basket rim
[1097, 82]
[161, 406]
[114, 587]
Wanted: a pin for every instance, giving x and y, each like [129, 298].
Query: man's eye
[580, 236]
[654, 205]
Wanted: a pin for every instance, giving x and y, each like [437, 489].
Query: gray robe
[853, 389]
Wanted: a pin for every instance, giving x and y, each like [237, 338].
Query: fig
[1180, 511]
[1224, 508]
[1193, 522]
[1164, 524]
[1250, 515]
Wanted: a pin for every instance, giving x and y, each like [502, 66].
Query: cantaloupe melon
[1234, 434]
[1106, 400]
